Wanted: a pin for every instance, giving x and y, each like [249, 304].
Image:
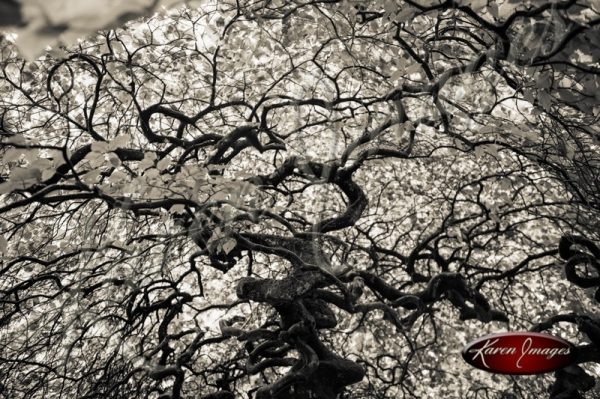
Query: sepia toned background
[295, 199]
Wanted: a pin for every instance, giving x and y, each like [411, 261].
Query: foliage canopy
[300, 199]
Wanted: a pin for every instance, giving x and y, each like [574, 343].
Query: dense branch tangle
[331, 164]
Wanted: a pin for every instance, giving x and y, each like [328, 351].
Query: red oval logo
[519, 353]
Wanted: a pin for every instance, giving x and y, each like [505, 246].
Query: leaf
[91, 176]
[406, 14]
[148, 160]
[95, 159]
[117, 176]
[229, 245]
[100, 147]
[179, 208]
[493, 9]
[163, 164]
[414, 68]
[569, 152]
[21, 177]
[121, 245]
[47, 174]
[220, 196]
[6, 188]
[545, 100]
[114, 159]
[478, 5]
[398, 74]
[3, 244]
[41, 164]
[118, 142]
[150, 173]
[13, 154]
[56, 157]
[528, 95]
[390, 6]
[543, 81]
[16, 139]
[508, 8]
[31, 155]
